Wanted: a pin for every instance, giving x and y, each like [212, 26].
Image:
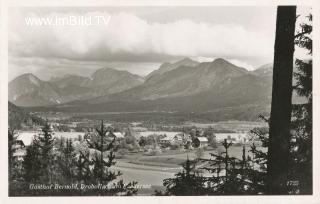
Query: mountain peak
[264, 70]
[220, 61]
[186, 59]
[105, 69]
[30, 77]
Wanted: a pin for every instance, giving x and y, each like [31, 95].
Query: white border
[315, 4]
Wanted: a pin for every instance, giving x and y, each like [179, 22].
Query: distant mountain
[264, 70]
[182, 81]
[68, 80]
[28, 90]
[217, 89]
[229, 94]
[108, 81]
[165, 67]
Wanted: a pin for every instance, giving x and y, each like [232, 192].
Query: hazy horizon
[119, 66]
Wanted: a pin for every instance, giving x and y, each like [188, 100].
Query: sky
[137, 39]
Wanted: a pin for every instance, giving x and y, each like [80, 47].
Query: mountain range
[28, 90]
[186, 86]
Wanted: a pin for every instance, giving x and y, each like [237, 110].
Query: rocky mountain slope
[28, 90]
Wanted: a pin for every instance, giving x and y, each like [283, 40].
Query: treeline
[48, 163]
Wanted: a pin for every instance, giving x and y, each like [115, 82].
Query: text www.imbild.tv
[68, 21]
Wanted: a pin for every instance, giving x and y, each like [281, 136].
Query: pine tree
[301, 145]
[186, 183]
[45, 142]
[32, 164]
[67, 162]
[82, 171]
[11, 142]
[101, 174]
[15, 166]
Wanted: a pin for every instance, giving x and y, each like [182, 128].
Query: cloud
[128, 37]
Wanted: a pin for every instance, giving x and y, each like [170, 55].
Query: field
[152, 170]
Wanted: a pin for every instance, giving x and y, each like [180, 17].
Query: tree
[45, 143]
[38, 162]
[301, 146]
[186, 183]
[66, 162]
[212, 140]
[142, 141]
[83, 172]
[32, 164]
[281, 106]
[12, 140]
[100, 173]
[15, 166]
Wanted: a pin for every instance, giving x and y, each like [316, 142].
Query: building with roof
[117, 135]
[171, 139]
[200, 142]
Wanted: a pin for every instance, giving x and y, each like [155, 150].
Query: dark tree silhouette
[281, 105]
[103, 159]
[15, 166]
[66, 162]
[186, 183]
[38, 162]
[32, 164]
[45, 143]
[11, 142]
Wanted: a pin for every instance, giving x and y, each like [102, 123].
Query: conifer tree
[45, 142]
[39, 160]
[101, 172]
[15, 166]
[186, 183]
[301, 144]
[67, 162]
[32, 164]
[11, 142]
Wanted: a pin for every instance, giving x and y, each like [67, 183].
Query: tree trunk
[281, 105]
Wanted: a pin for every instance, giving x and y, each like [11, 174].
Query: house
[19, 154]
[27, 136]
[201, 142]
[18, 145]
[19, 150]
[117, 135]
[172, 139]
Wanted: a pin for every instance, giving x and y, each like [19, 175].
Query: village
[146, 153]
[132, 138]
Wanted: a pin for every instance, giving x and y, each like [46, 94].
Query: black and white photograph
[160, 100]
